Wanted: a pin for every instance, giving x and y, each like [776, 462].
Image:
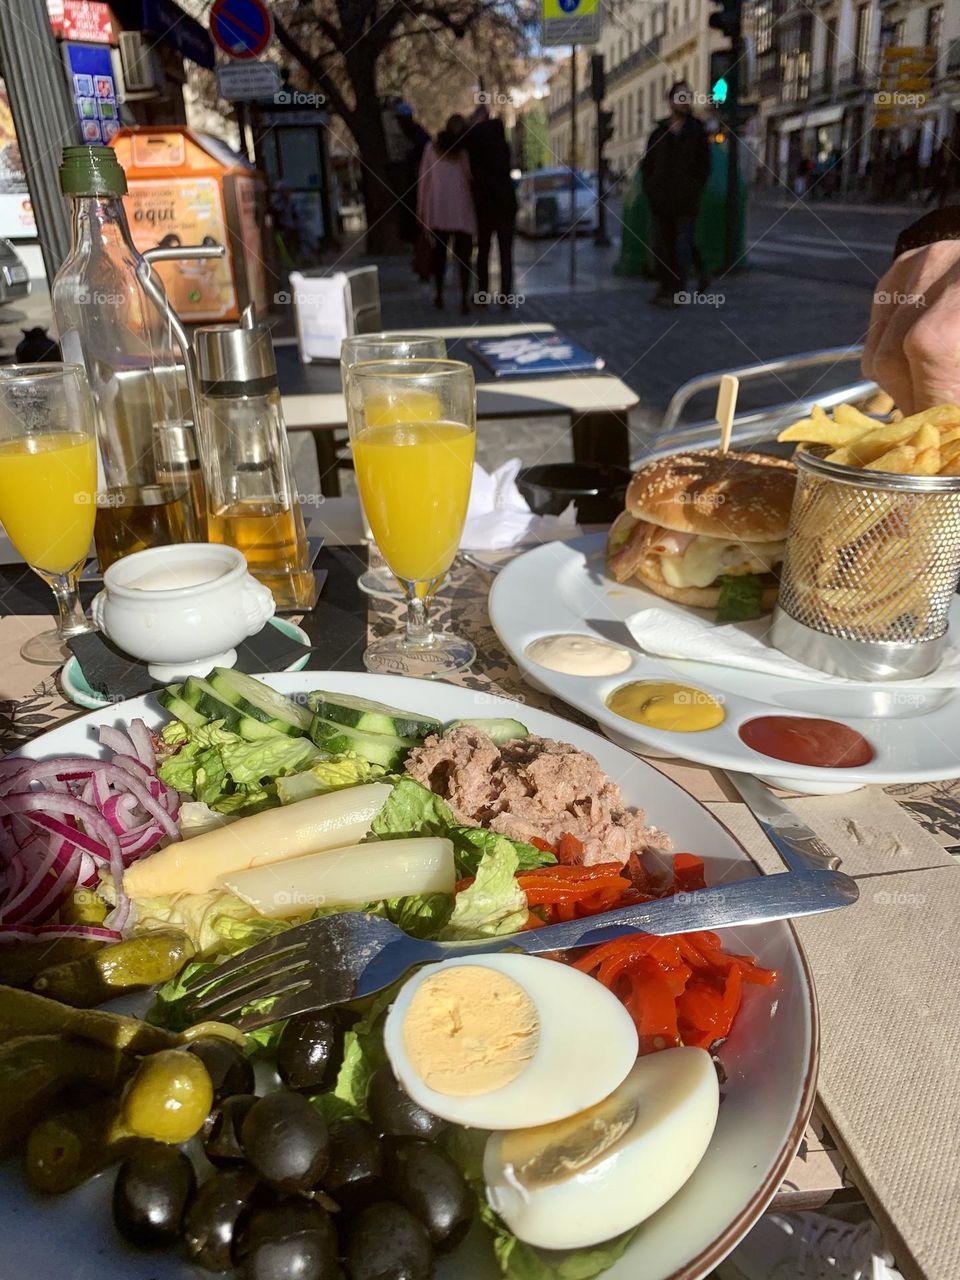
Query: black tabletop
[337, 624]
[298, 379]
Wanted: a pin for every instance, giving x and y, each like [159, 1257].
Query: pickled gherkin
[35, 1070]
[131, 965]
[24, 1013]
[70, 1146]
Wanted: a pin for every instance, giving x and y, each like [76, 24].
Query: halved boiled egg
[506, 1041]
[590, 1177]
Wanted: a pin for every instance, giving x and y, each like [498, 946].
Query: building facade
[863, 92]
[645, 47]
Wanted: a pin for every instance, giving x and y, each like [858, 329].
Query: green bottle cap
[91, 171]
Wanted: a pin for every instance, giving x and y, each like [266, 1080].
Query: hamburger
[707, 529]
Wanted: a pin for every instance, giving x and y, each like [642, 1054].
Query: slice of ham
[668, 542]
[644, 540]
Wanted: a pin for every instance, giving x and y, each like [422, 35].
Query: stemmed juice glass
[48, 486]
[413, 433]
[378, 580]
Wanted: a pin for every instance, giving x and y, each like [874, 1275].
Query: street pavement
[807, 283]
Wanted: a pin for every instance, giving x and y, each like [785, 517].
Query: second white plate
[561, 587]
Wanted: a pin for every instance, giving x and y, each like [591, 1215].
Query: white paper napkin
[672, 633]
[498, 515]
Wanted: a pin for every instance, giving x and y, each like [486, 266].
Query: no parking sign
[243, 28]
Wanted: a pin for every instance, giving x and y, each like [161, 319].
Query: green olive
[169, 1097]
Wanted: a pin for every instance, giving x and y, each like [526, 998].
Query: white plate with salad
[483, 825]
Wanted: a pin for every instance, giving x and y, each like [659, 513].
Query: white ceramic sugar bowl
[182, 609]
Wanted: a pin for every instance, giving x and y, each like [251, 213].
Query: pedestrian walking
[675, 169]
[408, 168]
[495, 200]
[445, 206]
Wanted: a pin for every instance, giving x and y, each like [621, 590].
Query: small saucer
[74, 685]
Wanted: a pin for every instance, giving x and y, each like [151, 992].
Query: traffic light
[722, 71]
[598, 80]
[727, 20]
[604, 126]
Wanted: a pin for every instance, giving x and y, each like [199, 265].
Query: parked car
[14, 278]
[543, 202]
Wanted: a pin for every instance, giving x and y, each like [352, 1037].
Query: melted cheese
[705, 559]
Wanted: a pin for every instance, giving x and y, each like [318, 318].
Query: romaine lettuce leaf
[494, 904]
[217, 922]
[327, 775]
[741, 597]
[251, 762]
[471, 843]
[412, 810]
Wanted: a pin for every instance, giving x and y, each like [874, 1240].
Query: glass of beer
[413, 434]
[48, 486]
[378, 580]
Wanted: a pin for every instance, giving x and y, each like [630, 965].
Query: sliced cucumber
[171, 699]
[371, 717]
[379, 748]
[201, 695]
[259, 701]
[498, 731]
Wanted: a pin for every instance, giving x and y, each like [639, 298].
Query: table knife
[799, 847]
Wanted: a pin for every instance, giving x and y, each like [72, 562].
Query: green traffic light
[719, 92]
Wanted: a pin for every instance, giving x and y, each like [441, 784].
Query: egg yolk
[551, 1153]
[469, 1030]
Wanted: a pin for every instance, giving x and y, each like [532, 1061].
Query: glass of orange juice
[377, 580]
[48, 486]
[413, 433]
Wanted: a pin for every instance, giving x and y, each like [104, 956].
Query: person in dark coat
[495, 200]
[675, 169]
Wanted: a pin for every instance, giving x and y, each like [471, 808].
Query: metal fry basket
[871, 566]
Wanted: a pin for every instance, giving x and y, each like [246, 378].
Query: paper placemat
[890, 1012]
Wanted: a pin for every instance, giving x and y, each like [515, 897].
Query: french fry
[816, 431]
[849, 415]
[900, 460]
[949, 453]
[866, 448]
[926, 463]
[926, 437]
[949, 431]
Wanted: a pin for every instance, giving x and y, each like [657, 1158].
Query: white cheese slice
[197, 865]
[347, 877]
[705, 559]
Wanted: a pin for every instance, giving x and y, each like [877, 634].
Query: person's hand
[913, 347]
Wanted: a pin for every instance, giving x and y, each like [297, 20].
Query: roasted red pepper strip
[569, 850]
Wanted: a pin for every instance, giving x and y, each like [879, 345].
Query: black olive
[353, 1175]
[394, 1112]
[286, 1140]
[227, 1065]
[291, 1242]
[424, 1179]
[221, 1130]
[386, 1242]
[153, 1187]
[310, 1051]
[217, 1216]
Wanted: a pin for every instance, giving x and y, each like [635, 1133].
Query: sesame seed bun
[741, 497]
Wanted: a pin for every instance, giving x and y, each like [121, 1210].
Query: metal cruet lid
[234, 359]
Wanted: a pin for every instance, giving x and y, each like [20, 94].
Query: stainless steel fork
[344, 957]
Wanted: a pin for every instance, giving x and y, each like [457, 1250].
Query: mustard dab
[662, 704]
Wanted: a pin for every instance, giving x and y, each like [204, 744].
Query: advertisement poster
[183, 210]
[94, 90]
[16, 211]
[87, 20]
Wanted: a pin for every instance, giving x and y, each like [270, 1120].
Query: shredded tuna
[532, 787]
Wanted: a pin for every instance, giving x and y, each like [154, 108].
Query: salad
[529, 1097]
